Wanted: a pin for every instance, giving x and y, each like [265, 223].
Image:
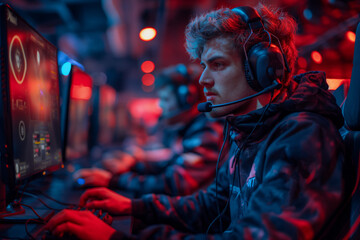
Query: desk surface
[59, 186]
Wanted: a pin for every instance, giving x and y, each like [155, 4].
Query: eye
[202, 66]
[218, 65]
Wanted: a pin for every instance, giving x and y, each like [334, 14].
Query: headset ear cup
[181, 95]
[266, 64]
[250, 78]
[187, 96]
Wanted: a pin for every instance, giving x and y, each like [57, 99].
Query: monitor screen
[76, 94]
[31, 143]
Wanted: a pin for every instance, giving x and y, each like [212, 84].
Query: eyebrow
[212, 59]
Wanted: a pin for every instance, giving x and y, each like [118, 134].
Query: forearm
[176, 180]
[151, 167]
[190, 214]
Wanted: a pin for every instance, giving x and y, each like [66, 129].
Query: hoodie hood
[307, 92]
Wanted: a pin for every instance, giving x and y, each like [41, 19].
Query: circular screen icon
[22, 130]
[17, 59]
[38, 57]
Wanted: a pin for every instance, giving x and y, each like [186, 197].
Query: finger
[95, 193]
[97, 204]
[82, 173]
[63, 216]
[67, 227]
[93, 181]
[88, 180]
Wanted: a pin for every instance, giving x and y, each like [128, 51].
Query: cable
[57, 201]
[252, 131]
[238, 152]
[40, 218]
[25, 186]
[26, 228]
[40, 200]
[216, 177]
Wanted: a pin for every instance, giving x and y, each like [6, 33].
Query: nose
[206, 79]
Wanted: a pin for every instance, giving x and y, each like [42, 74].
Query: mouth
[210, 96]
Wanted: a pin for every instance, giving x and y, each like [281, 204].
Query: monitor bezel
[65, 111]
[8, 174]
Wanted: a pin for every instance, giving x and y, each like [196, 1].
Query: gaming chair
[346, 222]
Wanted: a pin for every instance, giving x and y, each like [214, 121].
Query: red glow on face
[147, 34]
[147, 66]
[351, 36]
[316, 57]
[81, 88]
[148, 79]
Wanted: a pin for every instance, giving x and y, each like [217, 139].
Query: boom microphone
[207, 106]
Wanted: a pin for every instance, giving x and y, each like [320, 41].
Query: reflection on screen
[34, 96]
[78, 128]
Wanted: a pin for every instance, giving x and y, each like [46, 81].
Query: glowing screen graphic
[34, 96]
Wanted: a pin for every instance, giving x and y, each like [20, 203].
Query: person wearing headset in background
[284, 177]
[191, 144]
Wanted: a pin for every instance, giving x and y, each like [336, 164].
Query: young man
[190, 144]
[284, 175]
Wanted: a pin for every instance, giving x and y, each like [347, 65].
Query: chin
[217, 113]
[235, 109]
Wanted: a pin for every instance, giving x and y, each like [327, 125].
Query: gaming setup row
[34, 107]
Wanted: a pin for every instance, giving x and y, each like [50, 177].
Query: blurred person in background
[191, 143]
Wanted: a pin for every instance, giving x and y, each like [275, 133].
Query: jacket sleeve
[152, 167]
[191, 213]
[192, 169]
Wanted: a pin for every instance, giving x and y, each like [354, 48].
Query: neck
[254, 104]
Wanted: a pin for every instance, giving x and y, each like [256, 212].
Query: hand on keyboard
[108, 200]
[107, 218]
[83, 224]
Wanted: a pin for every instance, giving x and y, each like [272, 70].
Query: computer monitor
[76, 94]
[30, 138]
[65, 85]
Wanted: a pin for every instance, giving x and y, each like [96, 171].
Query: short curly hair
[226, 23]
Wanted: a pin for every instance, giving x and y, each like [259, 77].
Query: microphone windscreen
[204, 107]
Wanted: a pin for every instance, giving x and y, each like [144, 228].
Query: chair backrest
[352, 143]
[346, 222]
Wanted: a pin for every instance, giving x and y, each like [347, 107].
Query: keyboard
[107, 218]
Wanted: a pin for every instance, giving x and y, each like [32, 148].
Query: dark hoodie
[283, 179]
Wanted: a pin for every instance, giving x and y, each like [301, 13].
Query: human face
[168, 101]
[223, 78]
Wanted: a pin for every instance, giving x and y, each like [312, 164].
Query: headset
[187, 93]
[264, 62]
